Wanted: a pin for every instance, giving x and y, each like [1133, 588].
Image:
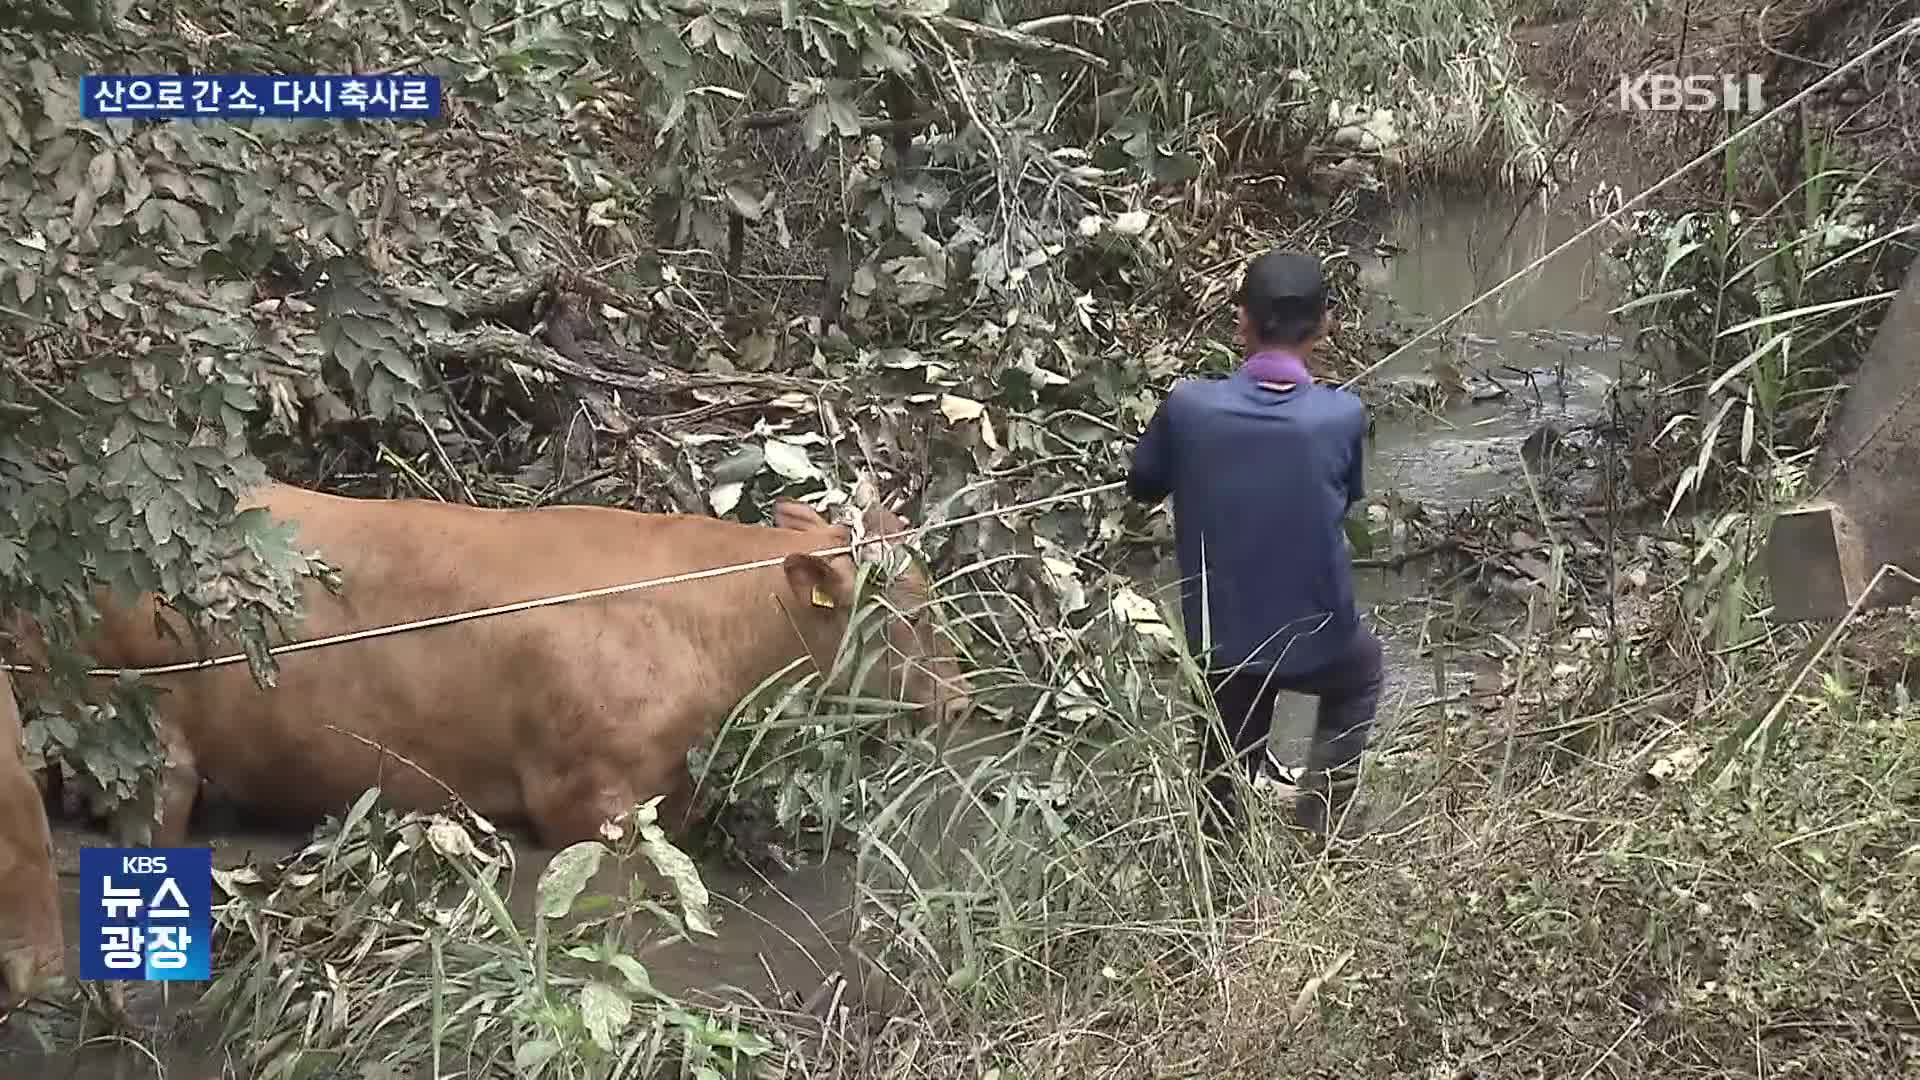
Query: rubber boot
[1325, 803]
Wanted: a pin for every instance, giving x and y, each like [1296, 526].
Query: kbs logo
[146, 913]
[1667, 92]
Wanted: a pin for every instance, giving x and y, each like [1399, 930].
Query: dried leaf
[1303, 1002]
[1142, 614]
[959, 410]
[724, 497]
[100, 173]
[449, 839]
[790, 461]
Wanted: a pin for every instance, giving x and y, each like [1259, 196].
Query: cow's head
[918, 665]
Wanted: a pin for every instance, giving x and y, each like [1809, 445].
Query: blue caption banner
[146, 913]
[281, 97]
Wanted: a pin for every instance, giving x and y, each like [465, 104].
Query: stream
[1546, 340]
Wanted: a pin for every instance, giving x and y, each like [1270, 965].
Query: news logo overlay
[280, 97]
[146, 913]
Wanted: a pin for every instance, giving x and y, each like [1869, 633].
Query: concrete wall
[1871, 509]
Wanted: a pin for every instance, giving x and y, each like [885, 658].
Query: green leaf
[731, 44]
[606, 1012]
[184, 219]
[104, 387]
[635, 973]
[814, 128]
[739, 466]
[361, 807]
[532, 1055]
[159, 518]
[566, 874]
[1359, 533]
[680, 870]
[846, 120]
[746, 203]
[159, 462]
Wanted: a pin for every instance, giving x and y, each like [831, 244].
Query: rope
[1908, 28]
[568, 598]
[636, 586]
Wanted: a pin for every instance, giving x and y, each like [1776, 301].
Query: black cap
[1284, 285]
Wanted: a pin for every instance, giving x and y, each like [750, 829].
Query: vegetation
[184, 301]
[694, 256]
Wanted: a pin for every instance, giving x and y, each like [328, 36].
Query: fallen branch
[495, 344]
[514, 301]
[1397, 562]
[651, 465]
[388, 752]
[781, 117]
[775, 12]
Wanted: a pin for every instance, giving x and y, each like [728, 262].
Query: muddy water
[1542, 352]
[775, 936]
[1538, 354]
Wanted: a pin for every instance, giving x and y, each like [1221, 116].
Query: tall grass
[1558, 885]
[1762, 314]
[1553, 883]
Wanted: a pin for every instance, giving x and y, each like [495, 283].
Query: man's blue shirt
[1261, 480]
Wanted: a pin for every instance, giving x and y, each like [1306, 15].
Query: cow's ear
[793, 514]
[815, 581]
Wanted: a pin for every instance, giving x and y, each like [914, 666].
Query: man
[1263, 467]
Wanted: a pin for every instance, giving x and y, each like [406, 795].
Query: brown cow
[559, 716]
[32, 947]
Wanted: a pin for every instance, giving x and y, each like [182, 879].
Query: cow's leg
[168, 805]
[31, 936]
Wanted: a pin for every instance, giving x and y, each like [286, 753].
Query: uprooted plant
[387, 945]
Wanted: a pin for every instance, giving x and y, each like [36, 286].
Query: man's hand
[1151, 478]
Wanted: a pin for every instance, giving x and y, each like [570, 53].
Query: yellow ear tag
[821, 599]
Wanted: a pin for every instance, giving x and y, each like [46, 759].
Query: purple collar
[1276, 366]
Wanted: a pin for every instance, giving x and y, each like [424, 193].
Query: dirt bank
[1872, 113]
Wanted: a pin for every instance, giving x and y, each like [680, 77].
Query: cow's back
[31, 943]
[479, 704]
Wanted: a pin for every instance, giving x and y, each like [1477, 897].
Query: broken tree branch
[1396, 562]
[773, 11]
[496, 344]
